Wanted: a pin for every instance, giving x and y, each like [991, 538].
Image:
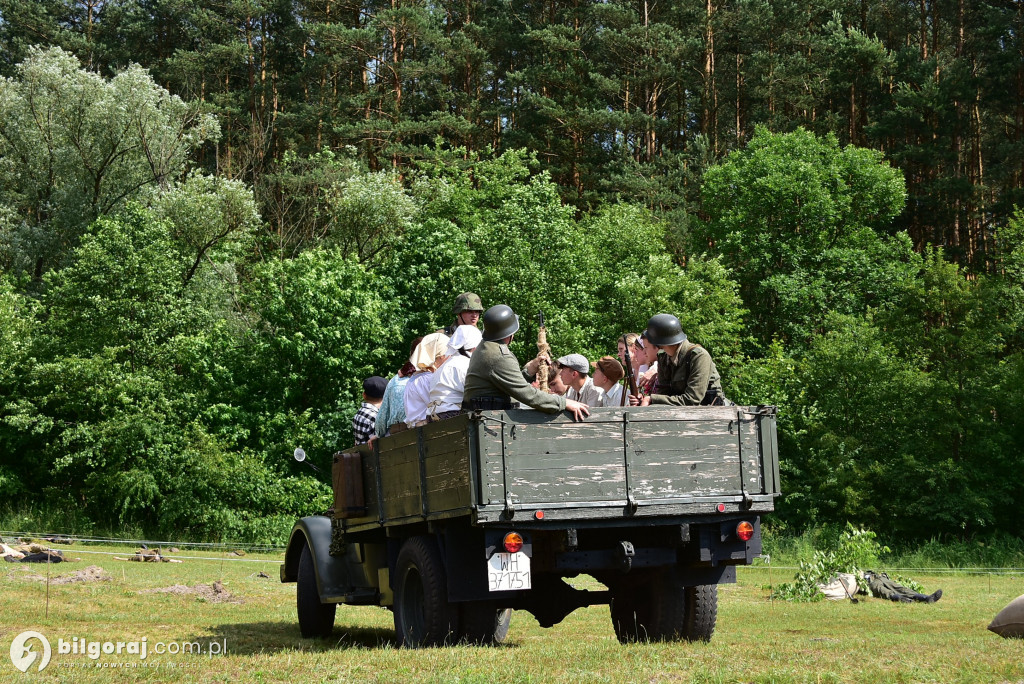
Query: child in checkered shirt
[366, 417]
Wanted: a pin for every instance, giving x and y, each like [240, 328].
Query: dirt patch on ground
[93, 573]
[214, 593]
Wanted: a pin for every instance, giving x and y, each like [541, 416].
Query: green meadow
[252, 618]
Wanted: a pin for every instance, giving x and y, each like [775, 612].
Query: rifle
[630, 378]
[542, 348]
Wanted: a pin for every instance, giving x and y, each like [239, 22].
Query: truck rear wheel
[484, 624]
[662, 609]
[652, 611]
[316, 619]
[701, 612]
[423, 616]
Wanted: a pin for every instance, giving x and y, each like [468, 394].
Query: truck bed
[523, 465]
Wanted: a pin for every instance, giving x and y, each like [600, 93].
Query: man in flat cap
[574, 370]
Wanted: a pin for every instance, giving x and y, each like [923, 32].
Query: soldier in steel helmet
[494, 378]
[467, 310]
[687, 375]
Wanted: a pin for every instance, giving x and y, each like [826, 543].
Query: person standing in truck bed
[467, 310]
[494, 378]
[687, 375]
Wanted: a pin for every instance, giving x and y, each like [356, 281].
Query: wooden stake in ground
[47, 612]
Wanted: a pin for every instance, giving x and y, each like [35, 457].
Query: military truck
[455, 524]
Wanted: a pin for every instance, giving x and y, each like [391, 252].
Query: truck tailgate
[650, 459]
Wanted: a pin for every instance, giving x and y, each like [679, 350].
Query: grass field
[755, 641]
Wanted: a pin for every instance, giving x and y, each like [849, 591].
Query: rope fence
[760, 562]
[59, 537]
[178, 556]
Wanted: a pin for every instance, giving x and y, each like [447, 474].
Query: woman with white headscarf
[449, 382]
[428, 356]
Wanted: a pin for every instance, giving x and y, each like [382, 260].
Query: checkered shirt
[364, 422]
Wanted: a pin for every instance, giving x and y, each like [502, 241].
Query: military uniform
[494, 380]
[882, 586]
[688, 378]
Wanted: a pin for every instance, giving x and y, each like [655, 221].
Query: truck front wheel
[423, 616]
[316, 619]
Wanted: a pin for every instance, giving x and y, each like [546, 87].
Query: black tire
[482, 623]
[628, 625]
[423, 616]
[701, 612]
[316, 619]
[650, 609]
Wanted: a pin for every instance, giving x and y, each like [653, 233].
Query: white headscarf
[466, 337]
[429, 348]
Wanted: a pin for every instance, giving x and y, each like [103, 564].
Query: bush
[853, 551]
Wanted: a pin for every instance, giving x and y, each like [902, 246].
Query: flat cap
[578, 362]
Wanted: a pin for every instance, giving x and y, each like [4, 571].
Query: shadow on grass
[269, 637]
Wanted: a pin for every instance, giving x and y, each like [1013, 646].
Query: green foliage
[320, 324]
[75, 146]
[292, 198]
[853, 551]
[1002, 549]
[367, 212]
[213, 224]
[498, 225]
[793, 216]
[114, 414]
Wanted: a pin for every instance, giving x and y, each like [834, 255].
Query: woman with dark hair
[391, 416]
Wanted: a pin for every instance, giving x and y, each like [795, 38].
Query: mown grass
[755, 641]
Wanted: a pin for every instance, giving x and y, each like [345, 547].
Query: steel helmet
[500, 321]
[467, 301]
[664, 330]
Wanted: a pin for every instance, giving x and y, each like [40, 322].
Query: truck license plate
[508, 571]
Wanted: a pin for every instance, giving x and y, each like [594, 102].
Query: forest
[217, 218]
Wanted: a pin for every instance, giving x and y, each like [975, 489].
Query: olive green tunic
[685, 384]
[494, 372]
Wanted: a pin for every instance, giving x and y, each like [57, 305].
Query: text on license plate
[508, 571]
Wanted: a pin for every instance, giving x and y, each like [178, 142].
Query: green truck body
[653, 502]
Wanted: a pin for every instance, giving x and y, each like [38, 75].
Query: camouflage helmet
[467, 301]
[664, 330]
[500, 321]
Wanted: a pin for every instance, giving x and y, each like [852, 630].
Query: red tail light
[513, 542]
[745, 531]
